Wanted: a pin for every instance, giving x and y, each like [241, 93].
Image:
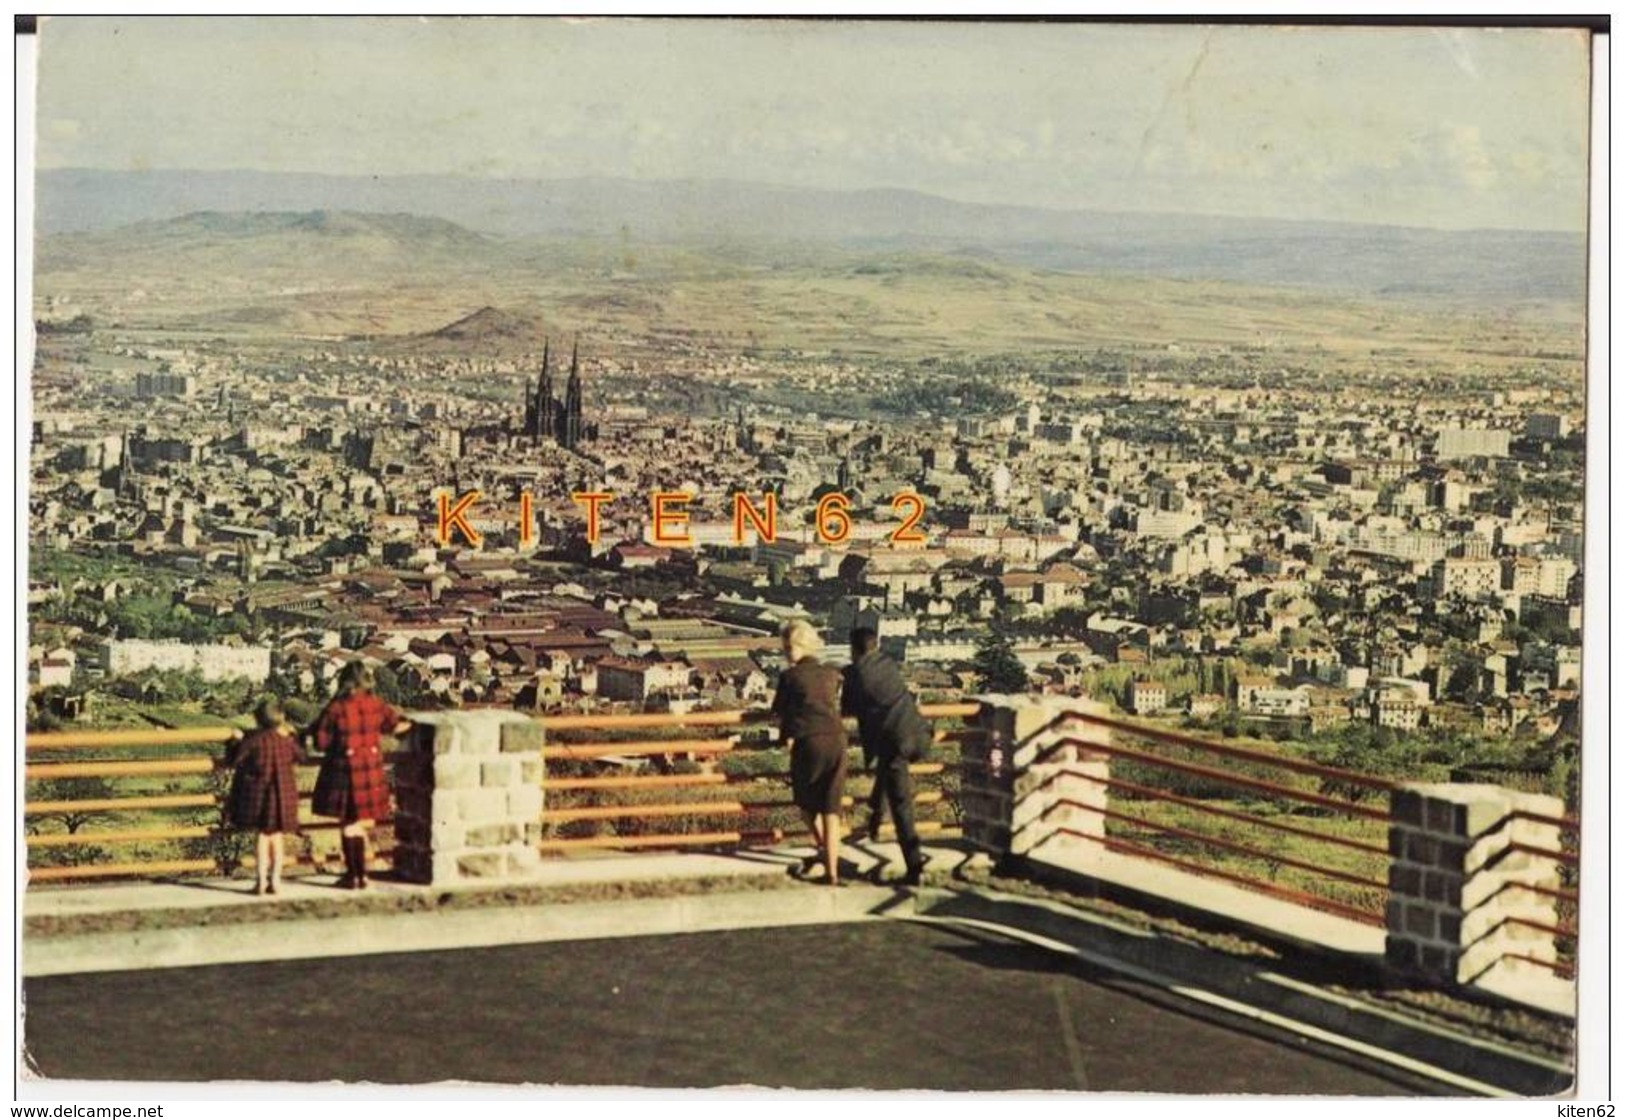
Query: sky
[1448, 128]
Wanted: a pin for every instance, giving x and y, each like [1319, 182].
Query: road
[880, 1005]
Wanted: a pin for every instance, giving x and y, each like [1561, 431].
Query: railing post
[468, 797]
[1020, 790]
[1455, 903]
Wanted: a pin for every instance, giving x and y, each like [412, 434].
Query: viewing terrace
[1423, 932]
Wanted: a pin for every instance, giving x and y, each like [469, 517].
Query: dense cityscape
[1186, 534]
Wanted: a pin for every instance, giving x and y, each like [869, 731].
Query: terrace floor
[1284, 921]
[879, 1005]
[102, 953]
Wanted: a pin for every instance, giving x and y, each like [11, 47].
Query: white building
[1167, 523]
[938, 649]
[622, 679]
[1555, 574]
[1465, 577]
[1146, 697]
[1261, 696]
[1465, 443]
[211, 662]
[55, 668]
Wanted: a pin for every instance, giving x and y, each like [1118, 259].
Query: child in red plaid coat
[351, 784]
[264, 792]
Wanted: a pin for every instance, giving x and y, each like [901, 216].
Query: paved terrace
[856, 1005]
[723, 970]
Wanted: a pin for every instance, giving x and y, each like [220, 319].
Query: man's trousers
[894, 787]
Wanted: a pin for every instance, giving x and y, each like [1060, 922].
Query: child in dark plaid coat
[264, 792]
[351, 785]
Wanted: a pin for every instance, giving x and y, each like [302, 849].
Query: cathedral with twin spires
[547, 418]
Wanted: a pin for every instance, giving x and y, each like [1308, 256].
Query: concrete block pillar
[985, 785]
[1031, 781]
[469, 797]
[1457, 885]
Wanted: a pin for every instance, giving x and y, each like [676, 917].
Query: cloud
[1459, 47]
[1408, 126]
[1472, 162]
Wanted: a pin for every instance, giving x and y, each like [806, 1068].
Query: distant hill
[1480, 266]
[315, 241]
[490, 326]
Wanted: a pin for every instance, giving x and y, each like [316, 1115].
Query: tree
[300, 711]
[230, 697]
[70, 790]
[997, 667]
[387, 684]
[1377, 751]
[44, 708]
[227, 847]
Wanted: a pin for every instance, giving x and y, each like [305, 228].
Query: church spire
[542, 426]
[124, 484]
[572, 399]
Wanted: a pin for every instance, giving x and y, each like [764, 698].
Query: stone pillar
[1021, 786]
[1455, 881]
[985, 780]
[469, 797]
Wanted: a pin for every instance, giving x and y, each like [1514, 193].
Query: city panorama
[1016, 552]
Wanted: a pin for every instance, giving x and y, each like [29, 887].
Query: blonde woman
[808, 707]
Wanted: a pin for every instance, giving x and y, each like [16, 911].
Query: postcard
[823, 554]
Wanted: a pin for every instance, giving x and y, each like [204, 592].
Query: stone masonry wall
[1019, 789]
[469, 797]
[1455, 880]
[985, 785]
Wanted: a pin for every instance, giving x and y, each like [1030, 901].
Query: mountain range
[450, 215]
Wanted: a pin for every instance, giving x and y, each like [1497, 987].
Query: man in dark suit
[893, 733]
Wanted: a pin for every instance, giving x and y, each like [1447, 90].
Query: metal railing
[1266, 822]
[1281, 826]
[709, 792]
[124, 813]
[118, 816]
[1566, 899]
